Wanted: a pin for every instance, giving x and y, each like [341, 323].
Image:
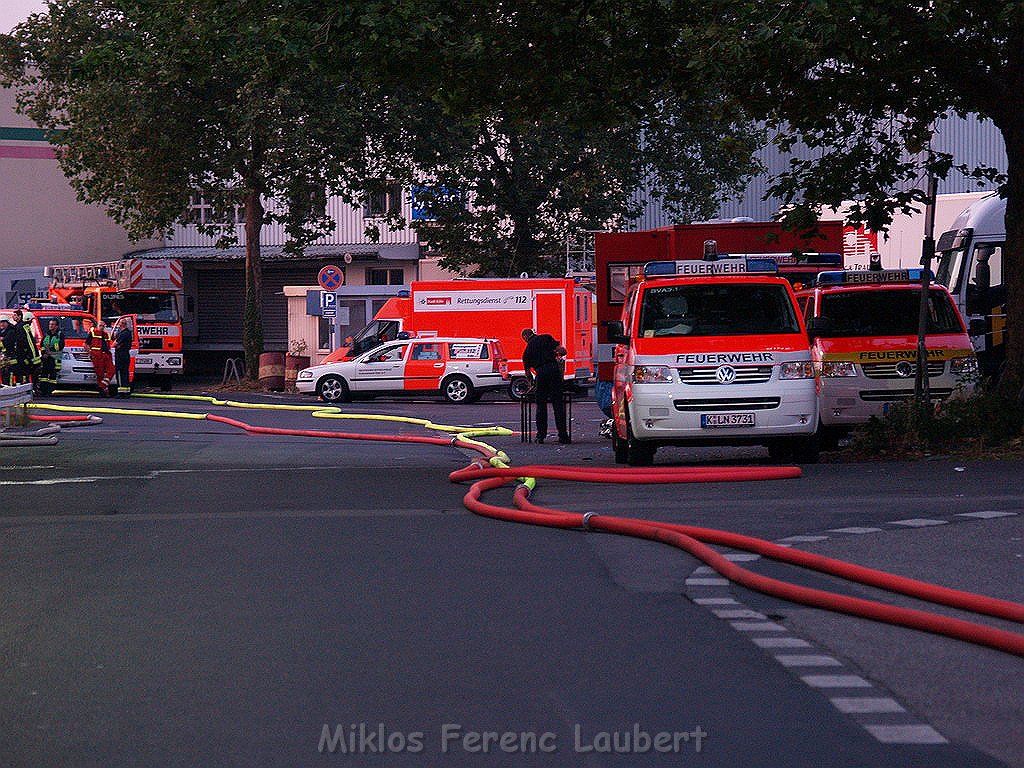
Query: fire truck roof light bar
[861, 277]
[695, 268]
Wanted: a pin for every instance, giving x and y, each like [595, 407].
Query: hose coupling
[586, 520]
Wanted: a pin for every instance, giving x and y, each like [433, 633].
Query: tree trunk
[1012, 377]
[252, 325]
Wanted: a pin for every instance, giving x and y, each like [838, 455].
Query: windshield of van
[886, 313]
[716, 309]
[150, 307]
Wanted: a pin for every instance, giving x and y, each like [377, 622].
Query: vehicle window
[619, 276]
[706, 309]
[385, 354]
[463, 351]
[425, 352]
[886, 313]
[374, 334]
[949, 271]
[150, 307]
[71, 327]
[985, 288]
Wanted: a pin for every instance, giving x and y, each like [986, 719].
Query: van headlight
[803, 369]
[652, 374]
[964, 366]
[837, 368]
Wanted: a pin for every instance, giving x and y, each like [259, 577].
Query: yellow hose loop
[464, 434]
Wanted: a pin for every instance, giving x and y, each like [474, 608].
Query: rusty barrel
[272, 370]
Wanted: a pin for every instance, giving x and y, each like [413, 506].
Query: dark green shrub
[987, 419]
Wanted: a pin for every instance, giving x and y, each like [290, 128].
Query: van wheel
[518, 387]
[333, 389]
[639, 453]
[457, 389]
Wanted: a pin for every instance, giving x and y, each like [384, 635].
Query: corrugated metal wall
[350, 228]
[971, 141]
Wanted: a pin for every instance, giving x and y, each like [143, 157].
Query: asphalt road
[180, 593]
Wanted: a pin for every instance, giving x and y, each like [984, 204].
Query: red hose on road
[695, 541]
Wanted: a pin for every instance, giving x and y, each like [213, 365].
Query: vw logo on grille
[904, 369]
[725, 374]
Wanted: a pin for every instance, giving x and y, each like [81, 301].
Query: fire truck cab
[147, 289]
[712, 352]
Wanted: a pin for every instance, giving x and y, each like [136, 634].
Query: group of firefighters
[23, 360]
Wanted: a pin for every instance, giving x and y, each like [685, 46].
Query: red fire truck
[149, 289]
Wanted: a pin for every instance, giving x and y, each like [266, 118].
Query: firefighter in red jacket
[100, 344]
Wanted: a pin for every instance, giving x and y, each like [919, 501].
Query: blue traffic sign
[331, 278]
[328, 304]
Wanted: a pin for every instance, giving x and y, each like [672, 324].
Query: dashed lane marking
[906, 734]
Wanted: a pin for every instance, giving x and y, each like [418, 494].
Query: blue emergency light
[867, 277]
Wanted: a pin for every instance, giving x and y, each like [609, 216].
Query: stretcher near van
[864, 331]
[712, 352]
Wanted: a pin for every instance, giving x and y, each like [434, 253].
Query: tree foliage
[863, 85]
[231, 99]
[544, 118]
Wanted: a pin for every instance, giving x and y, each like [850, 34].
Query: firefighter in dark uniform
[6, 357]
[26, 352]
[540, 359]
[123, 355]
[52, 351]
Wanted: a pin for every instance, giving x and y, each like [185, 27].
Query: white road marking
[738, 613]
[906, 734]
[152, 475]
[757, 626]
[856, 529]
[804, 539]
[742, 557]
[866, 705]
[715, 601]
[807, 660]
[918, 522]
[780, 642]
[835, 681]
[707, 582]
[987, 514]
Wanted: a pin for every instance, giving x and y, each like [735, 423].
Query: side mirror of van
[616, 332]
[818, 326]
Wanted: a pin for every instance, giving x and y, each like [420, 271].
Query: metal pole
[921, 383]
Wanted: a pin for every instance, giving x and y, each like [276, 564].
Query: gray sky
[15, 11]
